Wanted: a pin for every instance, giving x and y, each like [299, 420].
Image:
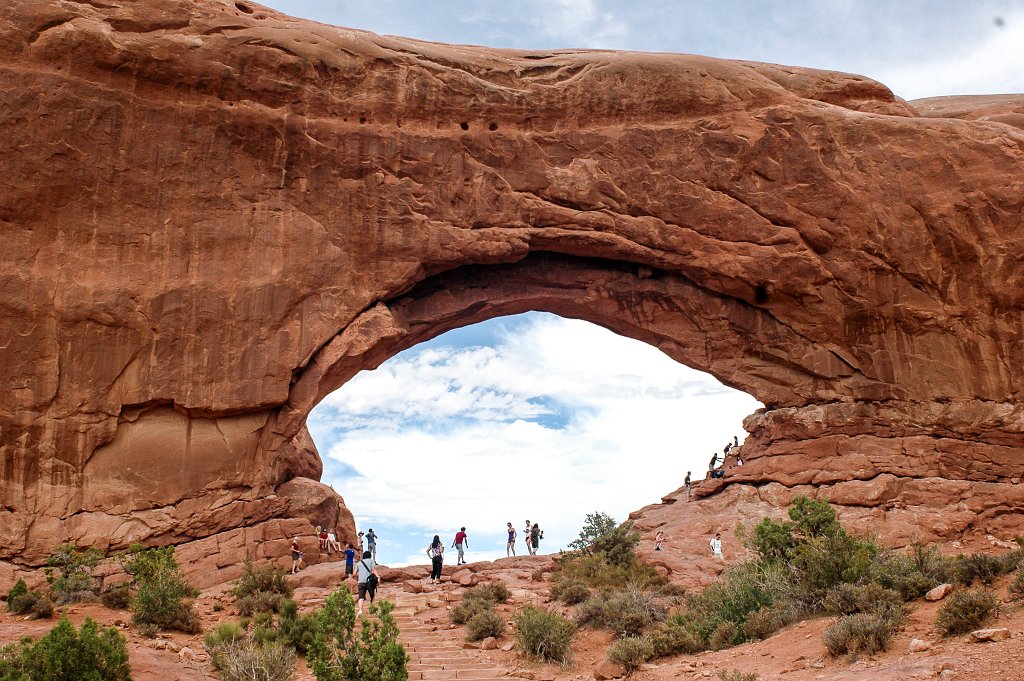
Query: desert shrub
[336, 653]
[597, 572]
[465, 610]
[296, 630]
[537, 575]
[863, 632]
[743, 590]
[160, 590]
[977, 566]
[495, 592]
[238, 656]
[676, 636]
[1017, 586]
[631, 651]
[544, 635]
[966, 611]
[260, 589]
[901, 573]
[930, 562]
[825, 561]
[848, 599]
[69, 572]
[726, 634]
[484, 624]
[760, 625]
[22, 601]
[625, 613]
[118, 597]
[570, 591]
[736, 675]
[1012, 559]
[601, 535]
[64, 654]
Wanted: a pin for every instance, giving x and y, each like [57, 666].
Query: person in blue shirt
[350, 557]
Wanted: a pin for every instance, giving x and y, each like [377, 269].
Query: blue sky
[539, 417]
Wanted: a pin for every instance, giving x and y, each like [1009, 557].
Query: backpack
[372, 580]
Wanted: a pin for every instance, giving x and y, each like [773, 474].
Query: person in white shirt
[716, 545]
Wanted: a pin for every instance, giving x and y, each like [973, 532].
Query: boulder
[939, 592]
[609, 670]
[989, 635]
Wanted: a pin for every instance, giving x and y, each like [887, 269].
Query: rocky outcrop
[215, 214]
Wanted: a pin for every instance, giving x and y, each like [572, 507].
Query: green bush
[544, 635]
[977, 566]
[570, 591]
[625, 613]
[864, 632]
[296, 630]
[21, 601]
[465, 610]
[118, 597]
[760, 625]
[484, 624]
[160, 590]
[1017, 586]
[725, 635]
[495, 592]
[631, 651]
[69, 572]
[676, 636]
[260, 589]
[226, 633]
[904, 573]
[597, 572]
[966, 611]
[601, 535]
[848, 599]
[336, 653]
[825, 561]
[64, 654]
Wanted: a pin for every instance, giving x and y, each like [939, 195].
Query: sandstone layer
[214, 215]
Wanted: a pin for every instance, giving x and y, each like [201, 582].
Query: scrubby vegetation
[337, 654]
[543, 635]
[69, 573]
[476, 610]
[631, 651]
[22, 601]
[64, 654]
[737, 675]
[261, 589]
[866, 632]
[160, 591]
[240, 655]
[966, 611]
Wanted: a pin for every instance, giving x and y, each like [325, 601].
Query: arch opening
[531, 416]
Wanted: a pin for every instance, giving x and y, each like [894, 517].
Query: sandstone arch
[214, 215]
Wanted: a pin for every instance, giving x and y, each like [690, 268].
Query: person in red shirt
[461, 543]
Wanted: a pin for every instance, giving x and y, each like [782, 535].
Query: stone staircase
[435, 657]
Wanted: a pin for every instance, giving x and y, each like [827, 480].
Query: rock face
[214, 215]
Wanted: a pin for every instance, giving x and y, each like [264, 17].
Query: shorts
[348, 568]
[296, 555]
[364, 589]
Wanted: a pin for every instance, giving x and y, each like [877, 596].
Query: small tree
[602, 535]
[161, 589]
[63, 654]
[337, 654]
[69, 572]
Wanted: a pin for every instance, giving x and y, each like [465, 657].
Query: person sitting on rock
[322, 536]
[333, 539]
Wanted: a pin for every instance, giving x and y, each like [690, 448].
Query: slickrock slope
[214, 215]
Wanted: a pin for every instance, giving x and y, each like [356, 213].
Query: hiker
[371, 543]
[526, 535]
[350, 559]
[735, 441]
[658, 539]
[321, 534]
[436, 553]
[332, 537]
[296, 556]
[739, 459]
[688, 485]
[510, 547]
[716, 545]
[533, 543]
[461, 543]
[367, 581]
[359, 543]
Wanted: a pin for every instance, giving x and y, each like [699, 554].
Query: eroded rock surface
[215, 214]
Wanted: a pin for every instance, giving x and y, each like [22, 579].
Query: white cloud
[465, 446]
[991, 66]
[580, 23]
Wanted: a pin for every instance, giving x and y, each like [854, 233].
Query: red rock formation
[216, 214]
